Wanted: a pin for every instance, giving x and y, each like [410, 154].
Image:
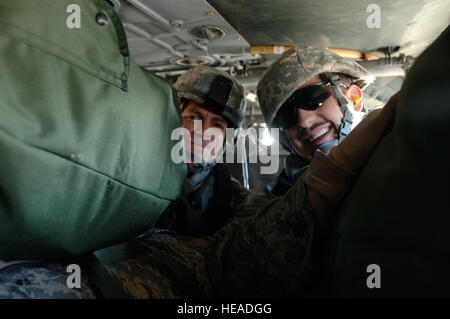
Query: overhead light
[357, 118]
[251, 97]
[266, 138]
[370, 79]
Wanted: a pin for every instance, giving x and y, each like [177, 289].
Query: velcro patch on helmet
[219, 93]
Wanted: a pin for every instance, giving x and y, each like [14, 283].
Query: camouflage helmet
[216, 90]
[296, 67]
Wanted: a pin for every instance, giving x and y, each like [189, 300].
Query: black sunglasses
[308, 98]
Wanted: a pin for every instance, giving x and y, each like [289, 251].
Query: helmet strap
[347, 119]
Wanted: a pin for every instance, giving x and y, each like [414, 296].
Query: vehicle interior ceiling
[244, 37]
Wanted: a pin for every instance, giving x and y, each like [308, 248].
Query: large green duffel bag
[84, 132]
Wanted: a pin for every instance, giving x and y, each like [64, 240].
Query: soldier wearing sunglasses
[274, 246]
[311, 95]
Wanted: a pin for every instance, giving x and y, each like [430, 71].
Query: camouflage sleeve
[264, 251]
[158, 265]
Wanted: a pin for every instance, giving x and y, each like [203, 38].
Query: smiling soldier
[312, 95]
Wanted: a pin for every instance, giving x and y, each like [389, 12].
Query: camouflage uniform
[161, 264]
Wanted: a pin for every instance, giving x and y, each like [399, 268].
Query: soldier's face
[319, 126]
[206, 137]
